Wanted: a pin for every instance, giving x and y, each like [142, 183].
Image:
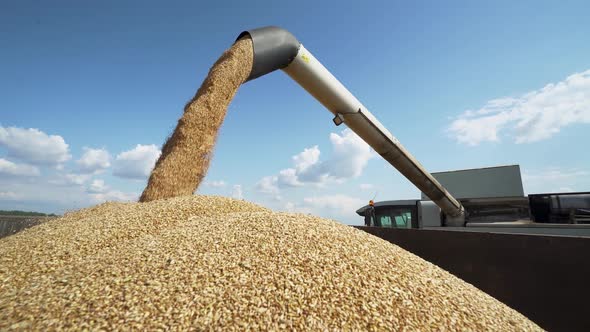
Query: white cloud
[55, 192]
[289, 178]
[70, 179]
[136, 163]
[34, 146]
[268, 185]
[340, 205]
[78, 179]
[9, 195]
[290, 207]
[555, 180]
[100, 192]
[216, 184]
[338, 202]
[7, 167]
[94, 160]
[307, 158]
[297, 208]
[97, 187]
[237, 192]
[114, 195]
[554, 174]
[349, 157]
[534, 116]
[366, 186]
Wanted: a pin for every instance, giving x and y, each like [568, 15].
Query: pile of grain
[186, 154]
[214, 263]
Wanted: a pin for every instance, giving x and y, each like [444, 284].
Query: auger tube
[275, 48]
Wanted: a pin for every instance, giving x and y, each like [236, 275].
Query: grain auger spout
[275, 48]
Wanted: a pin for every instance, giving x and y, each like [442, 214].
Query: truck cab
[391, 214]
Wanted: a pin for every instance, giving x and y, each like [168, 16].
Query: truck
[530, 252]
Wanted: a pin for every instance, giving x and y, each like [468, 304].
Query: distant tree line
[25, 213]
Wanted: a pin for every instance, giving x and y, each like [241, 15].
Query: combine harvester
[543, 276]
[493, 200]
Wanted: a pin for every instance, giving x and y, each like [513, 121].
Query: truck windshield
[403, 220]
[398, 217]
[385, 221]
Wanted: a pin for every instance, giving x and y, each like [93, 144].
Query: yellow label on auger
[305, 58]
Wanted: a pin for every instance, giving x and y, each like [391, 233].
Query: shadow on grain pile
[204, 262]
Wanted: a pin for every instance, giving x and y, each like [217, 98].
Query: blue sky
[90, 91]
